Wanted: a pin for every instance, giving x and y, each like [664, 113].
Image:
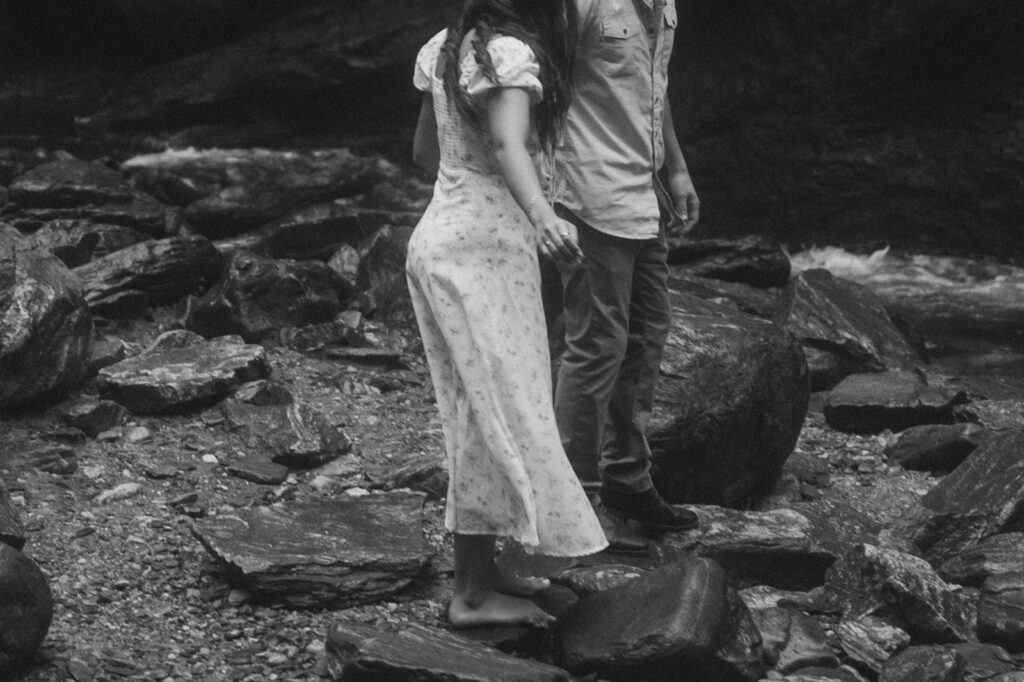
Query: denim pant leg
[596, 297]
[632, 400]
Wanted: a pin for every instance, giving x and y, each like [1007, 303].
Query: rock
[45, 325]
[26, 604]
[326, 554]
[68, 183]
[826, 368]
[176, 339]
[258, 296]
[765, 303]
[786, 548]
[729, 405]
[925, 664]
[108, 350]
[53, 459]
[258, 470]
[773, 623]
[809, 468]
[682, 616]
[848, 320]
[754, 260]
[312, 233]
[345, 262]
[1001, 611]
[933, 447]
[93, 416]
[870, 641]
[978, 499]
[426, 474]
[985, 661]
[819, 674]
[872, 580]
[587, 580]
[870, 403]
[993, 414]
[154, 272]
[76, 242]
[806, 646]
[765, 597]
[122, 491]
[384, 356]
[293, 435]
[381, 281]
[263, 392]
[12, 530]
[315, 337]
[178, 380]
[995, 555]
[357, 651]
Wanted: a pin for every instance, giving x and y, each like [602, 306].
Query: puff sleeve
[515, 65]
[426, 62]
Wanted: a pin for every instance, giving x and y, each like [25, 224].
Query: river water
[969, 313]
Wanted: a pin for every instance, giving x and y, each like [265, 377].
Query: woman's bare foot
[519, 586]
[493, 608]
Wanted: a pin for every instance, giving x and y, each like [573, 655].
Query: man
[619, 134]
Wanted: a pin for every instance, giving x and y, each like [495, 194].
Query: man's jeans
[617, 318]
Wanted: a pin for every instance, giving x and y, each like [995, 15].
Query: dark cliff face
[853, 122]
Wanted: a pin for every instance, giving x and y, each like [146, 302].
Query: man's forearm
[675, 164]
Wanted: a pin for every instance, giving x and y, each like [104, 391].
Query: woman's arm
[426, 152]
[508, 117]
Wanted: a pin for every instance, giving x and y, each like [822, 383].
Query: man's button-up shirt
[613, 146]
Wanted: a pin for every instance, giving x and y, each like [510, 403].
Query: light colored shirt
[605, 167]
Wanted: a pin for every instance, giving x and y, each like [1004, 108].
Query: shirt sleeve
[426, 62]
[515, 66]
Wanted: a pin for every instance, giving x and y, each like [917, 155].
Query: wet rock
[746, 298]
[985, 661]
[26, 604]
[325, 554]
[93, 416]
[925, 664]
[316, 337]
[381, 281]
[870, 641]
[426, 474]
[933, 447]
[295, 435]
[996, 554]
[754, 260]
[12, 530]
[259, 470]
[993, 414]
[143, 214]
[181, 379]
[108, 350]
[357, 651]
[258, 296]
[45, 325]
[1001, 611]
[978, 499]
[682, 616]
[825, 367]
[848, 320]
[773, 623]
[806, 646]
[312, 233]
[76, 242]
[820, 674]
[150, 273]
[366, 354]
[263, 392]
[729, 404]
[53, 459]
[67, 183]
[587, 580]
[872, 580]
[870, 403]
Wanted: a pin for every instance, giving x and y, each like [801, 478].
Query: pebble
[210, 459]
[139, 434]
[357, 492]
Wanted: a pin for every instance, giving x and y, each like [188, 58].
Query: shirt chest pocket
[622, 44]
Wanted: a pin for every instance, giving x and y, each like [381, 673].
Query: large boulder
[757, 261]
[26, 604]
[45, 324]
[729, 404]
[683, 616]
[258, 296]
[154, 272]
[321, 554]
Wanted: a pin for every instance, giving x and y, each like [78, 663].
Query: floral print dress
[474, 280]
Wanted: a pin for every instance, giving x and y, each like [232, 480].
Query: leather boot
[648, 508]
[622, 538]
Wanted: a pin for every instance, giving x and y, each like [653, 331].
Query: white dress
[474, 280]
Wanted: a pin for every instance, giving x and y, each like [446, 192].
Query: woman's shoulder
[506, 52]
[432, 47]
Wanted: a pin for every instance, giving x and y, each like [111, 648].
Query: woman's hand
[558, 239]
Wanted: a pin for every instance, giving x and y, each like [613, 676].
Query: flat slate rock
[323, 554]
[1001, 611]
[12, 530]
[293, 435]
[873, 580]
[363, 653]
[685, 616]
[69, 182]
[754, 260]
[26, 604]
[993, 414]
[806, 646]
[180, 379]
[934, 447]
[996, 554]
[925, 664]
[871, 403]
[93, 416]
[985, 661]
[587, 580]
[870, 641]
[258, 470]
[979, 498]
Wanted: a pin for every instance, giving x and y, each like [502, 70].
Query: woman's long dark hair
[549, 27]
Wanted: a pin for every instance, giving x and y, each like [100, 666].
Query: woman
[496, 89]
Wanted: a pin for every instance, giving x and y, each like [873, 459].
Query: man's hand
[685, 203]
